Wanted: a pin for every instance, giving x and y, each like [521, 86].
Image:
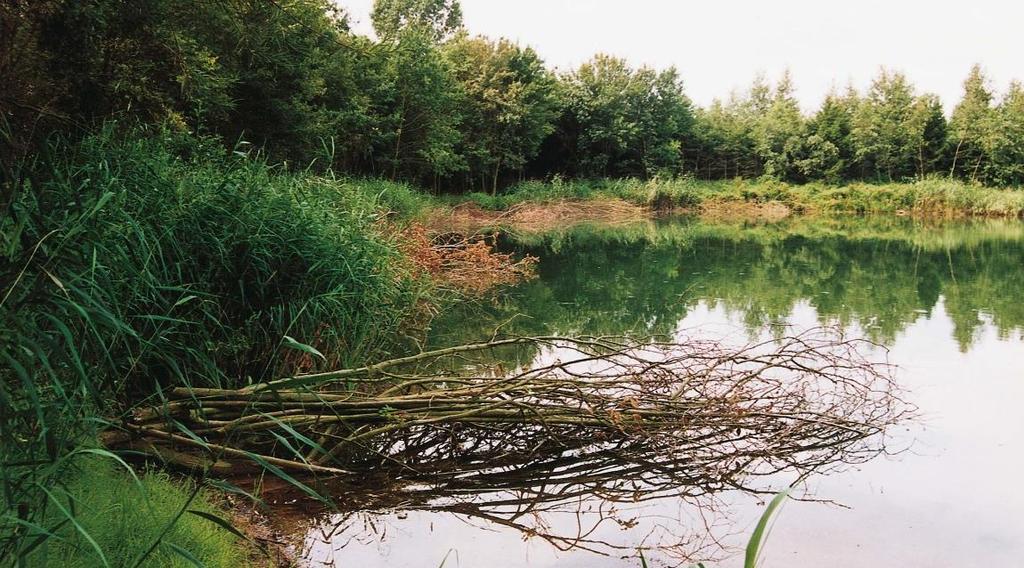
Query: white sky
[719, 45]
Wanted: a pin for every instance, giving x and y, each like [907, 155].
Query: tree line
[429, 103]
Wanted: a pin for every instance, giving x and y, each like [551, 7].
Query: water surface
[945, 298]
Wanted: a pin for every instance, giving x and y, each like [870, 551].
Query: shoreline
[537, 216]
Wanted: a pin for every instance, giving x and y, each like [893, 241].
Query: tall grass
[137, 262]
[936, 196]
[660, 193]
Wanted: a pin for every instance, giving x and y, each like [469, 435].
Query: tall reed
[140, 261]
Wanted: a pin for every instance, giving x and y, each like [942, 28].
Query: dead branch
[593, 409]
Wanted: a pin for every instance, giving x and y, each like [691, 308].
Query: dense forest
[431, 104]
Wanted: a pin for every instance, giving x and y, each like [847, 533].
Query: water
[946, 299]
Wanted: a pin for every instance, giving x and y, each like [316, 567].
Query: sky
[720, 45]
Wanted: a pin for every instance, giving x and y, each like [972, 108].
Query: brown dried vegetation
[537, 217]
[466, 264]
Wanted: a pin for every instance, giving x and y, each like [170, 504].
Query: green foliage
[511, 105]
[428, 104]
[828, 152]
[778, 132]
[99, 515]
[437, 19]
[883, 139]
[258, 68]
[933, 196]
[622, 122]
[987, 137]
[971, 125]
[373, 197]
[1005, 166]
[146, 260]
[757, 539]
[929, 129]
[139, 259]
[418, 101]
[723, 141]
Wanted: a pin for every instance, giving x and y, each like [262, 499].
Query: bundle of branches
[607, 414]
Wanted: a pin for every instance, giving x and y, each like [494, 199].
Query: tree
[778, 128]
[927, 125]
[828, 151]
[436, 19]
[280, 54]
[1006, 164]
[724, 135]
[419, 104]
[510, 104]
[623, 122]
[971, 126]
[882, 135]
[238, 69]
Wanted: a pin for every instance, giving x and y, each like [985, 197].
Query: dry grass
[536, 217]
[539, 217]
[466, 264]
[731, 210]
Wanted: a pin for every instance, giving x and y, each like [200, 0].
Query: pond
[945, 299]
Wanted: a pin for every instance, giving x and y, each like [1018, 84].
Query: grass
[100, 515]
[936, 196]
[755, 545]
[138, 261]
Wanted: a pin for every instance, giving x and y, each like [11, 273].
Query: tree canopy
[427, 102]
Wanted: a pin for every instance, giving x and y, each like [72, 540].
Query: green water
[947, 300]
[879, 274]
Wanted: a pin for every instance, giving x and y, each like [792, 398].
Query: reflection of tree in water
[883, 276]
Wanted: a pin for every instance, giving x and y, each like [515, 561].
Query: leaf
[227, 487]
[302, 438]
[56, 281]
[78, 527]
[185, 300]
[221, 522]
[101, 202]
[280, 473]
[293, 344]
[186, 555]
[757, 538]
[44, 534]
